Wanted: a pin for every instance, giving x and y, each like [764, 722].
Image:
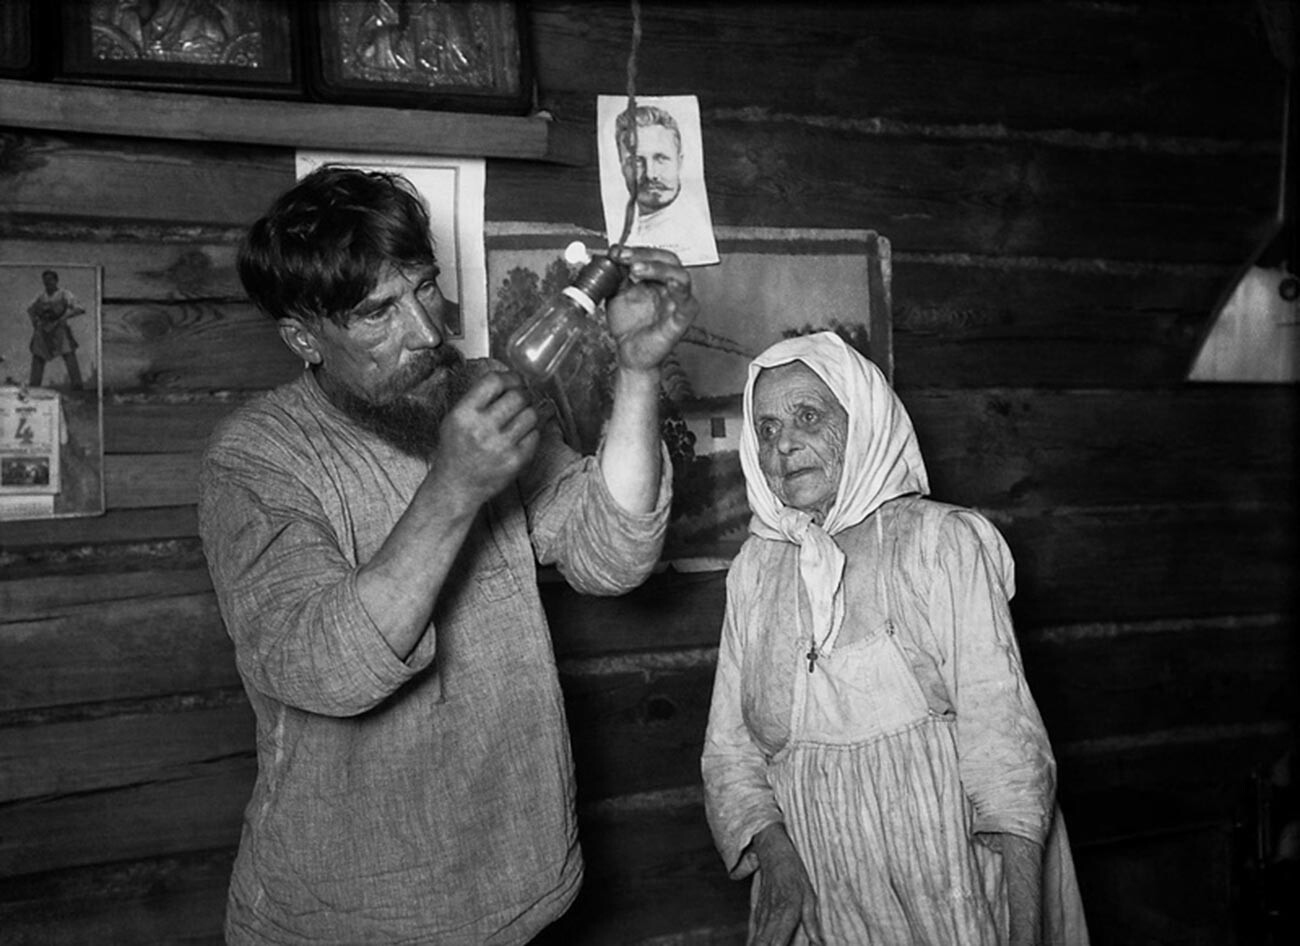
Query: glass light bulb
[539, 348]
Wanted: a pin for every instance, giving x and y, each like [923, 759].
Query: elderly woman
[873, 751]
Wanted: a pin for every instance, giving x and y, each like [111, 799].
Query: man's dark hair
[645, 116]
[49, 272]
[322, 247]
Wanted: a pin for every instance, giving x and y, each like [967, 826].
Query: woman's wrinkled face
[802, 429]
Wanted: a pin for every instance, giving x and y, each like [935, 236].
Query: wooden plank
[632, 731]
[162, 570]
[68, 758]
[139, 263]
[1108, 681]
[86, 178]
[1072, 565]
[302, 125]
[962, 322]
[1146, 786]
[1054, 67]
[197, 810]
[989, 196]
[992, 196]
[1025, 450]
[643, 854]
[139, 426]
[670, 610]
[145, 481]
[1175, 888]
[114, 526]
[637, 725]
[134, 648]
[1016, 449]
[1147, 563]
[178, 899]
[640, 857]
[162, 349]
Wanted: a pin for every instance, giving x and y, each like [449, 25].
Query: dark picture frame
[20, 45]
[770, 284]
[449, 55]
[241, 47]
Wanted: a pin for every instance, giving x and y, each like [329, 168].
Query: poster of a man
[653, 153]
[51, 397]
[52, 337]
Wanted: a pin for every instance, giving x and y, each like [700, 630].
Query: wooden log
[637, 723]
[196, 810]
[145, 481]
[643, 854]
[670, 610]
[988, 195]
[136, 648]
[114, 526]
[958, 320]
[156, 570]
[1075, 565]
[164, 426]
[1017, 450]
[90, 755]
[305, 125]
[1086, 565]
[1109, 681]
[163, 349]
[1144, 68]
[1151, 562]
[137, 903]
[139, 261]
[1013, 448]
[1025, 451]
[1170, 888]
[961, 322]
[83, 177]
[1118, 790]
[999, 197]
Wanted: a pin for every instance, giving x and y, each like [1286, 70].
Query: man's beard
[409, 420]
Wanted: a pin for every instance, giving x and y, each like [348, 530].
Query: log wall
[1068, 189]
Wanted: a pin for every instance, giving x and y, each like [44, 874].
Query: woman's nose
[788, 441]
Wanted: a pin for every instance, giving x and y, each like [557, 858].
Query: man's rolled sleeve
[576, 524]
[289, 597]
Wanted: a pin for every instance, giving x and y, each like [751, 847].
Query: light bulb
[540, 348]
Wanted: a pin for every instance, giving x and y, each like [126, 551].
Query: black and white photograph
[624, 473]
[652, 175]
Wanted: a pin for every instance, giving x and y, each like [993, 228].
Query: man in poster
[51, 336]
[664, 175]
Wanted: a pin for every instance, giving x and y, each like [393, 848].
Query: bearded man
[372, 529]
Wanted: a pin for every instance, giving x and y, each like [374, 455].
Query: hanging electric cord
[629, 216]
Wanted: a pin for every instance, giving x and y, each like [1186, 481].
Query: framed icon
[229, 46]
[452, 55]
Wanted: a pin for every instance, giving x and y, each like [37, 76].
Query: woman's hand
[653, 309]
[785, 895]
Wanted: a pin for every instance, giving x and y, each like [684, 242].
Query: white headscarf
[882, 461]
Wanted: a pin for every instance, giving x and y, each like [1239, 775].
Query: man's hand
[486, 439]
[653, 310]
[785, 895]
